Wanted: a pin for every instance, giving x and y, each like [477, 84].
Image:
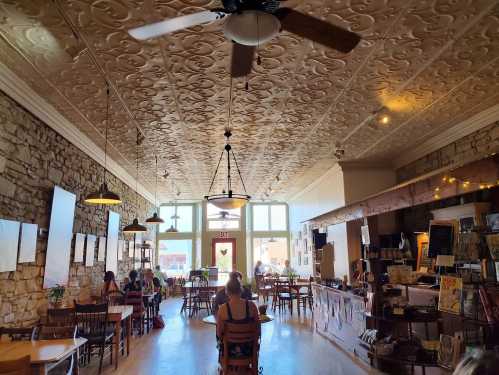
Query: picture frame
[493, 222]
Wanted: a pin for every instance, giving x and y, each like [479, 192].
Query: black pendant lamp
[155, 219]
[228, 200]
[136, 227]
[104, 195]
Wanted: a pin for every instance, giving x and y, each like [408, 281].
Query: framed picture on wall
[493, 222]
[299, 258]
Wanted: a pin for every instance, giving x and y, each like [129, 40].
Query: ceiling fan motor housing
[251, 27]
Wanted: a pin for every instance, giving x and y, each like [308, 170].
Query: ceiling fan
[251, 23]
[224, 215]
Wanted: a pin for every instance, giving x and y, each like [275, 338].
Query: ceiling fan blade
[173, 24]
[317, 30]
[242, 59]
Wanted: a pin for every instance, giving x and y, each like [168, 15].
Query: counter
[339, 316]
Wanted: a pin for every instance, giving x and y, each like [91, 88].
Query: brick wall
[33, 159]
[474, 146]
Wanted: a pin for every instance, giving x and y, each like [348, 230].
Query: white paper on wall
[79, 247]
[121, 246]
[101, 254]
[90, 253]
[130, 248]
[27, 250]
[113, 229]
[9, 241]
[60, 238]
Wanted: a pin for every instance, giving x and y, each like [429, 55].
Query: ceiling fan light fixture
[251, 27]
[135, 227]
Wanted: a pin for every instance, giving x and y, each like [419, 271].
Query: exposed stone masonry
[33, 159]
[474, 146]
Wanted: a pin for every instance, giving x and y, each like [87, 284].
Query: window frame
[269, 218]
[176, 205]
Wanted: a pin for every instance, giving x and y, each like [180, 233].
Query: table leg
[39, 369]
[128, 334]
[117, 342]
[76, 364]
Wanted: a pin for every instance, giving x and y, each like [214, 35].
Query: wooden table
[117, 314]
[210, 319]
[212, 284]
[45, 354]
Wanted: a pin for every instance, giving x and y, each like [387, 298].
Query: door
[223, 254]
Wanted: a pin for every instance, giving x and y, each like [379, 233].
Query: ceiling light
[136, 227]
[155, 219]
[104, 195]
[228, 200]
[251, 27]
[172, 229]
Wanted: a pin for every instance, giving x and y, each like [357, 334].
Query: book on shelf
[490, 301]
[451, 291]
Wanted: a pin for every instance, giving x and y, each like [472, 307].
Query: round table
[210, 319]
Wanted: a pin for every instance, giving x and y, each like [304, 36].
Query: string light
[465, 184]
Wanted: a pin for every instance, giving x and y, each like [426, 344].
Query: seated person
[222, 297]
[160, 275]
[134, 285]
[258, 271]
[109, 285]
[288, 270]
[236, 310]
[157, 289]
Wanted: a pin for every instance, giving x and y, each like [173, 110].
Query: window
[175, 257]
[218, 219]
[269, 217]
[180, 217]
[272, 252]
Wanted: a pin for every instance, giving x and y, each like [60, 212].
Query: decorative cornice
[18, 90]
[460, 130]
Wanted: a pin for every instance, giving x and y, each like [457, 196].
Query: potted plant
[56, 294]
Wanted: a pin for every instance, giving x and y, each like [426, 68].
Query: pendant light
[155, 219]
[104, 195]
[136, 227]
[228, 200]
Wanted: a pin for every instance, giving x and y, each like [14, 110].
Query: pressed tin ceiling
[432, 64]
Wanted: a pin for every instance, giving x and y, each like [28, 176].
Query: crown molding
[25, 96]
[460, 130]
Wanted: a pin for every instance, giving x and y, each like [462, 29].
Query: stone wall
[33, 159]
[474, 146]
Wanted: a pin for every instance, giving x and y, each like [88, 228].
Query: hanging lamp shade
[172, 229]
[135, 227]
[103, 196]
[155, 219]
[228, 200]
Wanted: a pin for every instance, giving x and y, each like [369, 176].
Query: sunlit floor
[187, 346]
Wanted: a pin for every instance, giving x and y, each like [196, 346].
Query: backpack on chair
[158, 322]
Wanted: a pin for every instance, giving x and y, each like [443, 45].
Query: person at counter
[288, 270]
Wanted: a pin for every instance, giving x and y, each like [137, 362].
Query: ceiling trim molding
[460, 130]
[24, 95]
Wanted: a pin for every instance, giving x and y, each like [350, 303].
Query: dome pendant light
[136, 227]
[155, 219]
[228, 200]
[104, 195]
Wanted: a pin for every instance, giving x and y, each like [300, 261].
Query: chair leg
[101, 355]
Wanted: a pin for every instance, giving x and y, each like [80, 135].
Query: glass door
[223, 255]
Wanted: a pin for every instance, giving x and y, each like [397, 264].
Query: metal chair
[60, 332]
[92, 322]
[19, 334]
[21, 366]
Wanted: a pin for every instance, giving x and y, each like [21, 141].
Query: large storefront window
[175, 257]
[272, 252]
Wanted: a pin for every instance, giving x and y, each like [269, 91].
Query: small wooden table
[212, 284]
[210, 319]
[117, 314]
[45, 354]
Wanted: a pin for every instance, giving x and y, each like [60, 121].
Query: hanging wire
[107, 125]
[239, 172]
[229, 117]
[156, 187]
[137, 176]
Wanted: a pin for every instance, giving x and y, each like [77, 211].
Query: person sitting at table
[160, 275]
[236, 310]
[157, 289]
[258, 271]
[148, 284]
[288, 270]
[222, 296]
[134, 285]
[109, 285]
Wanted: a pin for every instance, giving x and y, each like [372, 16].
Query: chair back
[54, 333]
[61, 317]
[259, 281]
[115, 298]
[135, 299]
[91, 319]
[282, 286]
[21, 366]
[240, 333]
[19, 334]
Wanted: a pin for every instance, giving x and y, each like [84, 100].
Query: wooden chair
[204, 296]
[304, 297]
[115, 297]
[60, 332]
[21, 366]
[93, 325]
[283, 295]
[263, 287]
[189, 299]
[19, 334]
[61, 317]
[136, 300]
[240, 334]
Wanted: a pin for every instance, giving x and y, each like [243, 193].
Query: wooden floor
[187, 346]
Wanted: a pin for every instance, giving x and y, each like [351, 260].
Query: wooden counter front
[339, 316]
